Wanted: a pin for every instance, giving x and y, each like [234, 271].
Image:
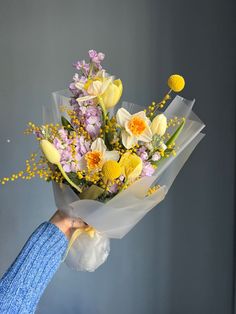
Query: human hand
[66, 224]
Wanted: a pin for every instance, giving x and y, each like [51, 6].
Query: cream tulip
[159, 125]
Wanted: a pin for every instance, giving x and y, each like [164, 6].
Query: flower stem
[67, 178]
[104, 114]
[104, 111]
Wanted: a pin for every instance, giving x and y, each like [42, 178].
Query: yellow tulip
[112, 94]
[50, 152]
[176, 82]
[54, 157]
[159, 125]
[131, 166]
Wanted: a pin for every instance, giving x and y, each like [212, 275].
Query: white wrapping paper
[118, 216]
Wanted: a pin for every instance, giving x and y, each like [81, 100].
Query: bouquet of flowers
[109, 164]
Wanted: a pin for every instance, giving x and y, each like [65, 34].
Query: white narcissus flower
[94, 159]
[159, 125]
[136, 127]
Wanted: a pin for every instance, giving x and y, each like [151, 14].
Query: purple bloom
[77, 84]
[142, 153]
[114, 188]
[73, 101]
[96, 57]
[148, 169]
[68, 160]
[144, 156]
[64, 135]
[90, 117]
[66, 167]
[83, 66]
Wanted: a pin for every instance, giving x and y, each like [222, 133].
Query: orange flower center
[137, 126]
[94, 160]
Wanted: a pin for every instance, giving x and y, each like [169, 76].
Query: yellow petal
[131, 165]
[119, 84]
[112, 94]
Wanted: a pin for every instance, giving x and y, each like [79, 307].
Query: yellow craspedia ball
[176, 82]
[111, 170]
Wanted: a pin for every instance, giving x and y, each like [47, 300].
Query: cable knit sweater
[24, 282]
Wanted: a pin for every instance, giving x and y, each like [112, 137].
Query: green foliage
[67, 125]
[175, 134]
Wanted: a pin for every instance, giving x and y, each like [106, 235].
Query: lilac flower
[93, 121]
[64, 135]
[141, 150]
[83, 66]
[148, 169]
[90, 117]
[96, 57]
[68, 160]
[82, 146]
[73, 101]
[114, 188]
[142, 153]
[144, 156]
[76, 87]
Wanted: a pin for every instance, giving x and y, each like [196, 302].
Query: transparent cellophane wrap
[115, 218]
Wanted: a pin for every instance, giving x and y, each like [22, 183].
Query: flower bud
[50, 152]
[159, 125]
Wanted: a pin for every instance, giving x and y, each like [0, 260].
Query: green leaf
[74, 178]
[175, 134]
[67, 125]
[92, 193]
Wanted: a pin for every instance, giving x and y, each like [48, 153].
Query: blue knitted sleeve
[24, 282]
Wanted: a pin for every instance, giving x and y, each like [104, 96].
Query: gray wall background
[179, 259]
